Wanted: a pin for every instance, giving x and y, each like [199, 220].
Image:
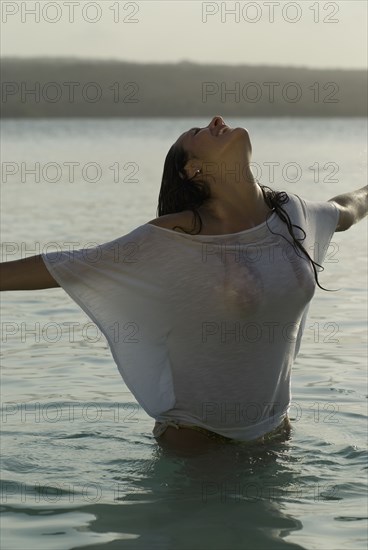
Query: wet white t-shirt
[204, 329]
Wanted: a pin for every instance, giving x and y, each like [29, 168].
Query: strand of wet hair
[274, 199]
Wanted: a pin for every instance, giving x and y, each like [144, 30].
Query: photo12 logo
[270, 12]
[70, 12]
[69, 92]
[69, 171]
[270, 92]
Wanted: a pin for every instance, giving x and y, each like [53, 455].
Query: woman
[204, 307]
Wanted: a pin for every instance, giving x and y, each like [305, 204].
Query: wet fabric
[204, 329]
[280, 432]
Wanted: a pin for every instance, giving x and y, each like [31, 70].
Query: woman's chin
[243, 131]
[239, 137]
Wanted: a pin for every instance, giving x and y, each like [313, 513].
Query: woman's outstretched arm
[27, 274]
[352, 206]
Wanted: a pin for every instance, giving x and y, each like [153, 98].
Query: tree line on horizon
[67, 87]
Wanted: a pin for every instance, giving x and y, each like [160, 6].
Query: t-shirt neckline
[257, 232]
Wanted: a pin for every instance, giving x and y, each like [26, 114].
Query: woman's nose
[217, 120]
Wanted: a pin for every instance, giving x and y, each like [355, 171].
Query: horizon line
[174, 63]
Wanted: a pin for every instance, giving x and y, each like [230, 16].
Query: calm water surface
[80, 467]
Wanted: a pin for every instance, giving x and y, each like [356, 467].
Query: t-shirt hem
[245, 433]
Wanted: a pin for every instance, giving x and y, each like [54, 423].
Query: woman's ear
[192, 168]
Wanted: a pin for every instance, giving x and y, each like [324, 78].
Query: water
[80, 467]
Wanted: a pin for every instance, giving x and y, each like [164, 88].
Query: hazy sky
[323, 35]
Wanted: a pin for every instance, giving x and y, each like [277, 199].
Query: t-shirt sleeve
[89, 275]
[114, 285]
[320, 222]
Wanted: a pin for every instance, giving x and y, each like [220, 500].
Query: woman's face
[217, 142]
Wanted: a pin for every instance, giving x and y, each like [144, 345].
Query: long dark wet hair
[179, 193]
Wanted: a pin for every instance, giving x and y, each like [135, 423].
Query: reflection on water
[217, 499]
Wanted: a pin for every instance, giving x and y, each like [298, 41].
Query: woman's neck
[235, 212]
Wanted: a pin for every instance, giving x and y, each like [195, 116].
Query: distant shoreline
[78, 88]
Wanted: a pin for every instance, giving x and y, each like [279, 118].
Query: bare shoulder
[170, 221]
